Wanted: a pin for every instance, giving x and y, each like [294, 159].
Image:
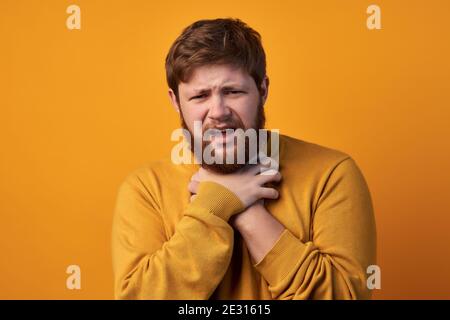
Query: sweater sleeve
[333, 264]
[188, 265]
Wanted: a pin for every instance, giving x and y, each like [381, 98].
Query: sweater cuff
[217, 199]
[282, 258]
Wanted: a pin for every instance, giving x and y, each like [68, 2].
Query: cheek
[194, 113]
[247, 110]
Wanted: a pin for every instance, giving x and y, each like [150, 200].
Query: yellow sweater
[165, 247]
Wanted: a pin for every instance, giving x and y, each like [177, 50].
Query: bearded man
[221, 230]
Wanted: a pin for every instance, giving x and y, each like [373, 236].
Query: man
[230, 230]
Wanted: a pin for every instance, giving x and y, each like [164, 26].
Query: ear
[174, 101]
[264, 89]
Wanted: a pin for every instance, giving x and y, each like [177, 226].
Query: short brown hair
[218, 41]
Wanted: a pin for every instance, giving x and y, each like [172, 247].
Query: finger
[269, 164]
[266, 161]
[268, 193]
[193, 186]
[266, 168]
[193, 197]
[254, 169]
[274, 176]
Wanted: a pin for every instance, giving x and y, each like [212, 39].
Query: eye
[233, 92]
[200, 96]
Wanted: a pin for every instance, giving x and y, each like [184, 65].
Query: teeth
[223, 132]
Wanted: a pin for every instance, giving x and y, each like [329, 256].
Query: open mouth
[229, 131]
[223, 135]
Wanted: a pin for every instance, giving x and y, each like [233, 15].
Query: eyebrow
[226, 87]
[234, 87]
[200, 91]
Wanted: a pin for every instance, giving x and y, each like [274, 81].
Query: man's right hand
[247, 184]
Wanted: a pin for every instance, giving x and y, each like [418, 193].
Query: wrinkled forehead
[214, 76]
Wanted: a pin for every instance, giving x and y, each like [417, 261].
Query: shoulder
[158, 176]
[315, 163]
[141, 187]
[307, 153]
[327, 172]
[151, 172]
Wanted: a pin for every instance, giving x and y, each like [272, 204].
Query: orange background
[80, 109]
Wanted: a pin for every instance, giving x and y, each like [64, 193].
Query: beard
[233, 123]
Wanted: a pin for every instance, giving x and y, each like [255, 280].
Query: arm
[189, 265]
[259, 229]
[332, 265]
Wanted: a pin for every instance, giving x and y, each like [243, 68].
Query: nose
[218, 110]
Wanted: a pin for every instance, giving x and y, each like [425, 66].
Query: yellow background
[80, 109]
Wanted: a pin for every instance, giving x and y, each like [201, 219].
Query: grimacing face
[221, 97]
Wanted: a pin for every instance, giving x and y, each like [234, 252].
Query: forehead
[210, 76]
